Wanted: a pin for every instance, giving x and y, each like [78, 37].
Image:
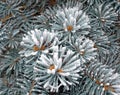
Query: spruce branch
[31, 88]
[59, 47]
[104, 77]
[6, 18]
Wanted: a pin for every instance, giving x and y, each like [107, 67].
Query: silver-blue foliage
[59, 47]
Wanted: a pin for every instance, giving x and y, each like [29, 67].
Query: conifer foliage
[59, 47]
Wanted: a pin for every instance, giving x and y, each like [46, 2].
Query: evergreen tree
[59, 47]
